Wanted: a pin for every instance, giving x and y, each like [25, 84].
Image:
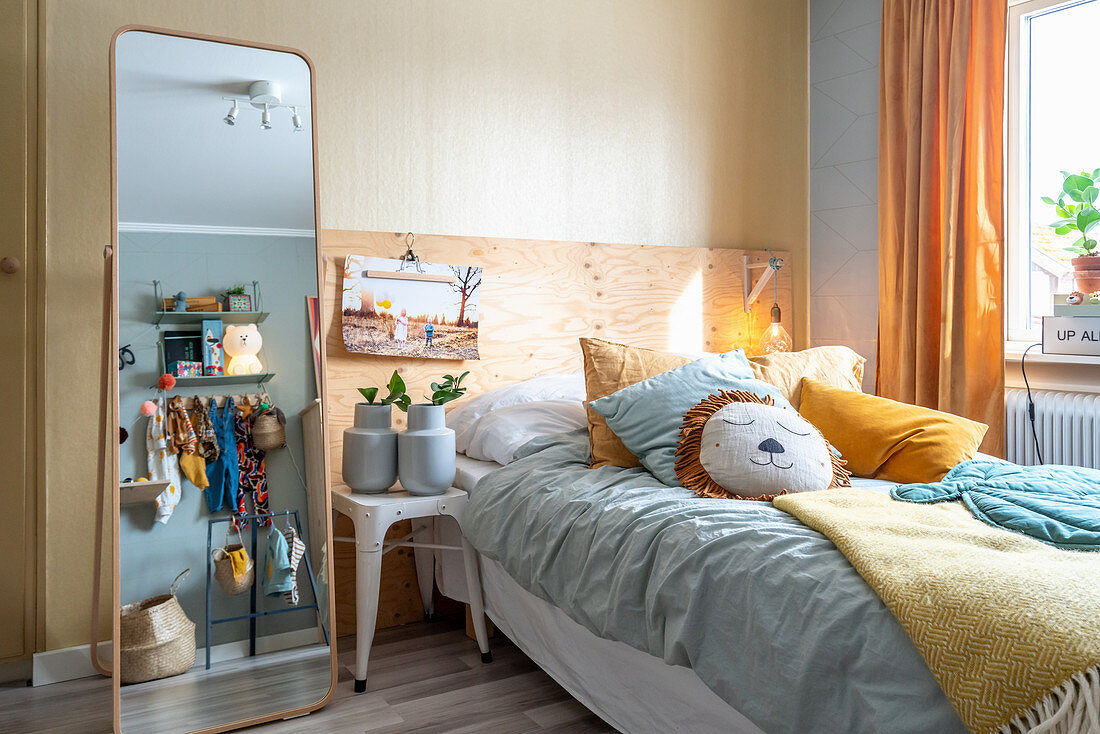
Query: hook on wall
[770, 268]
[410, 257]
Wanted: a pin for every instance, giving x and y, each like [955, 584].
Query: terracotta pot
[1088, 281]
[1086, 273]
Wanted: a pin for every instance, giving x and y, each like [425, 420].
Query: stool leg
[477, 605]
[425, 563]
[368, 578]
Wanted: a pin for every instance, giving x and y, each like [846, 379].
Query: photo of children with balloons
[410, 315]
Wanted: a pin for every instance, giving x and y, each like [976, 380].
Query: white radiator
[1067, 423]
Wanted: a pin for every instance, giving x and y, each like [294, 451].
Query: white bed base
[633, 691]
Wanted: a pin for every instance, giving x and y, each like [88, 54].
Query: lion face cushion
[737, 445]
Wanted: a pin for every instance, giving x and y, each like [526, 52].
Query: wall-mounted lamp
[775, 338]
[264, 96]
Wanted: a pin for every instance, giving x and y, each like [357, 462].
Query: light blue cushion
[647, 415]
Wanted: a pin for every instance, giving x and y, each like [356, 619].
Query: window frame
[1018, 328]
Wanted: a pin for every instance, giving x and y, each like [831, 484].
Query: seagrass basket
[268, 432]
[223, 568]
[156, 639]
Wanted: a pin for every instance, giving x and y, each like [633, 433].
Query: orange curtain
[941, 208]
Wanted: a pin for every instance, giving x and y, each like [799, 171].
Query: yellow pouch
[238, 559]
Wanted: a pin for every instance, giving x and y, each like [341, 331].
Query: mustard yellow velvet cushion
[608, 368]
[836, 366]
[885, 439]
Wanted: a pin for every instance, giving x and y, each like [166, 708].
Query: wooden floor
[232, 690]
[425, 678]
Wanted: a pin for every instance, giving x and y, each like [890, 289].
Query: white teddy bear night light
[242, 343]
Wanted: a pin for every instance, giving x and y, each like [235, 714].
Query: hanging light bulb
[296, 119]
[265, 119]
[775, 338]
[231, 118]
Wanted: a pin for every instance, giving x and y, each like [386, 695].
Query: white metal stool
[372, 515]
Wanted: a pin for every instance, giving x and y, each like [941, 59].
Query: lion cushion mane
[738, 445]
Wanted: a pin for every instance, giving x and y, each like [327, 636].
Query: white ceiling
[180, 164]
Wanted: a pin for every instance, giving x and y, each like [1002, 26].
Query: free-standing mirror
[221, 464]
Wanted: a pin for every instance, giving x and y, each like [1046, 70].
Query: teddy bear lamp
[241, 344]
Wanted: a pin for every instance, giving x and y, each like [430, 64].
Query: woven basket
[156, 639]
[268, 432]
[223, 567]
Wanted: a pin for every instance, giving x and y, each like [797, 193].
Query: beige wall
[674, 122]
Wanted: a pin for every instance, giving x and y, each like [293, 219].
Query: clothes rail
[253, 615]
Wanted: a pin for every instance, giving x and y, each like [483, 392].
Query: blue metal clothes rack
[253, 615]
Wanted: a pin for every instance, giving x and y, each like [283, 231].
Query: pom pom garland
[148, 409]
[166, 382]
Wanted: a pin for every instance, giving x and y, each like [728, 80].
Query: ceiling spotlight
[231, 118]
[297, 119]
[265, 119]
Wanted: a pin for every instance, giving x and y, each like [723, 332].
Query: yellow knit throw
[1009, 626]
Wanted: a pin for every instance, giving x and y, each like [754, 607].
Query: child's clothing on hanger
[252, 473]
[277, 573]
[223, 473]
[204, 429]
[185, 442]
[162, 464]
[297, 550]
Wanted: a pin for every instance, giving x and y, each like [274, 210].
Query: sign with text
[1075, 335]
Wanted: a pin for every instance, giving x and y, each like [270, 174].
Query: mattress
[468, 471]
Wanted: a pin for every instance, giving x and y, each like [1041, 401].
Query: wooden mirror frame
[111, 394]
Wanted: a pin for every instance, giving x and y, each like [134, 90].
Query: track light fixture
[264, 96]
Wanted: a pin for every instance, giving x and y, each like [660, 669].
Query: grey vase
[426, 451]
[370, 450]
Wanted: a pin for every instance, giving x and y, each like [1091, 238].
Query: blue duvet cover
[767, 612]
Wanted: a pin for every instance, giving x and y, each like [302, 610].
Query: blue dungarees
[224, 474]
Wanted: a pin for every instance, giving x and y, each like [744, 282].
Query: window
[1053, 126]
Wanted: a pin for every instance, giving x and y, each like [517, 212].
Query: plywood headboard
[539, 297]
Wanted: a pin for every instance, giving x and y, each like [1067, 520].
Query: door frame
[23, 92]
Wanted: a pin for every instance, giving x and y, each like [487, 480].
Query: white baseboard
[267, 643]
[70, 663]
[67, 663]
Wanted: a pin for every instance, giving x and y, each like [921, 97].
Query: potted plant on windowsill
[370, 446]
[1076, 205]
[426, 449]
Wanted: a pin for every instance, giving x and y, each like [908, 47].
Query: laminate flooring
[426, 678]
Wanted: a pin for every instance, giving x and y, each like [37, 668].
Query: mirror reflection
[219, 410]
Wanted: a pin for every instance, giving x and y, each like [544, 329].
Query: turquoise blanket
[1059, 505]
[767, 612]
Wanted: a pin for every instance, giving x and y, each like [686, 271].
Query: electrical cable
[1030, 402]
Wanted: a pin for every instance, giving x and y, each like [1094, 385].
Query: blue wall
[201, 265]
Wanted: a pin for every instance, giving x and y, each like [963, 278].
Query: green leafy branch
[396, 397]
[1078, 213]
[448, 389]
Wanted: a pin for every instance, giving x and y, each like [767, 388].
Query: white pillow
[468, 411]
[497, 435]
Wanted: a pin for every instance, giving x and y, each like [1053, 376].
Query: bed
[809, 670]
